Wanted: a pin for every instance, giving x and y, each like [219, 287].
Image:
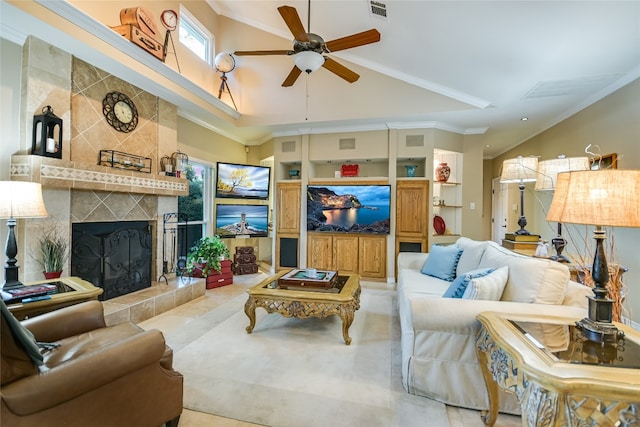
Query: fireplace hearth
[115, 256]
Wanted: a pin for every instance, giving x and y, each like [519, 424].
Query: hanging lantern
[180, 162]
[47, 134]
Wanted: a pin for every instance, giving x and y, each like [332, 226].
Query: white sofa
[438, 334]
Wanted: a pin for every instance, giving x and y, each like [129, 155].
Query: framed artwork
[608, 161]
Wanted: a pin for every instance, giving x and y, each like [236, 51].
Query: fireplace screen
[115, 256]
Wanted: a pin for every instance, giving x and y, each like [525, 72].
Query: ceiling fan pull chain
[306, 97]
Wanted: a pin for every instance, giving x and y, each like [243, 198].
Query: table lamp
[520, 170]
[19, 200]
[547, 175]
[609, 197]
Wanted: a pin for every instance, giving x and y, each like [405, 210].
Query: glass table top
[566, 343]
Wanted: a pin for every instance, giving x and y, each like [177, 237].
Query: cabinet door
[288, 208]
[372, 256]
[345, 254]
[411, 208]
[320, 251]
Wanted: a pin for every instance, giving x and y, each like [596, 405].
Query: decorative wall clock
[120, 112]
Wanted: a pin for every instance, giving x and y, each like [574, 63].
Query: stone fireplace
[77, 189]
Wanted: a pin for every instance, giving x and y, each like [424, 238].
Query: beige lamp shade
[608, 197]
[21, 200]
[520, 169]
[548, 170]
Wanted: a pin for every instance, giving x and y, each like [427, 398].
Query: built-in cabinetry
[412, 215]
[287, 224]
[348, 253]
[404, 159]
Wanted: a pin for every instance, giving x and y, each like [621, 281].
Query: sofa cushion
[472, 251]
[458, 286]
[442, 262]
[530, 279]
[488, 287]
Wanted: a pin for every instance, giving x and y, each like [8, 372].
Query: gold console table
[560, 378]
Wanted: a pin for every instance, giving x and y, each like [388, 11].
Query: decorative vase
[52, 274]
[411, 170]
[443, 172]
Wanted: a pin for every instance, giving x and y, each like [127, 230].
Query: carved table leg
[346, 314]
[488, 417]
[250, 311]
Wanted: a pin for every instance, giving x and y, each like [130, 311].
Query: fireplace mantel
[56, 173]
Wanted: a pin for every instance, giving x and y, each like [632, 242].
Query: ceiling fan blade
[354, 40]
[292, 19]
[262, 52]
[292, 77]
[340, 70]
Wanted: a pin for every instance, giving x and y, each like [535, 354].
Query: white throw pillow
[489, 287]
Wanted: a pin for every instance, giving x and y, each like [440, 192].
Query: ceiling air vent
[288, 146]
[347, 144]
[378, 9]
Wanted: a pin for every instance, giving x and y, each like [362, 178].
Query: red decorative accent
[443, 172]
[52, 274]
[439, 225]
[349, 170]
[216, 278]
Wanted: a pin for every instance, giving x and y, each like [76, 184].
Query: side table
[560, 378]
[71, 290]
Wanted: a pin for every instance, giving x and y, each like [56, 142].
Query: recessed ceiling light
[524, 119]
[488, 146]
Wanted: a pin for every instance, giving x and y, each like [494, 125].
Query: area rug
[299, 372]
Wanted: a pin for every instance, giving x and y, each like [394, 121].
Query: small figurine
[542, 249]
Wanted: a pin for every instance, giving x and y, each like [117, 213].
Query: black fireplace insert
[115, 256]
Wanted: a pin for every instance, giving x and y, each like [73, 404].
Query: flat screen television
[361, 208]
[242, 181]
[242, 220]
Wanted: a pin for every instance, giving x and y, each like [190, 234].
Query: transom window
[195, 36]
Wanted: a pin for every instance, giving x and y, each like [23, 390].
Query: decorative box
[350, 170]
[216, 278]
[244, 261]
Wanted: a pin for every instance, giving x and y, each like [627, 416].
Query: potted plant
[207, 254]
[52, 253]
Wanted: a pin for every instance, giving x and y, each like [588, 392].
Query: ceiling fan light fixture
[308, 61]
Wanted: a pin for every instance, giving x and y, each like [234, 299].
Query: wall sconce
[47, 134]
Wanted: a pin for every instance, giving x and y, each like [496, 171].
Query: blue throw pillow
[458, 286]
[442, 262]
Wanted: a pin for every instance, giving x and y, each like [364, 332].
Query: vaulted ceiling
[471, 67]
[475, 67]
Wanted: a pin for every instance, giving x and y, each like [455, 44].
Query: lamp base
[12, 285]
[602, 332]
[560, 258]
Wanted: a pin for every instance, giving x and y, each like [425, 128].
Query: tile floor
[202, 301]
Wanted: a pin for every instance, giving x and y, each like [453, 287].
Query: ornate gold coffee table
[303, 304]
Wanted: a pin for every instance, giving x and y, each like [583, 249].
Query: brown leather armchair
[93, 375]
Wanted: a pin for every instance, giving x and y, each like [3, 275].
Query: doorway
[499, 207]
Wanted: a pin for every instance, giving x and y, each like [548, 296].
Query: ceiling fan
[309, 49]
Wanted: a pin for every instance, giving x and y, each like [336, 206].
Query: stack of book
[523, 243]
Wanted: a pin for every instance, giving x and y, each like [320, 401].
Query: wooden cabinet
[372, 256]
[345, 254]
[412, 211]
[288, 207]
[349, 254]
[320, 251]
